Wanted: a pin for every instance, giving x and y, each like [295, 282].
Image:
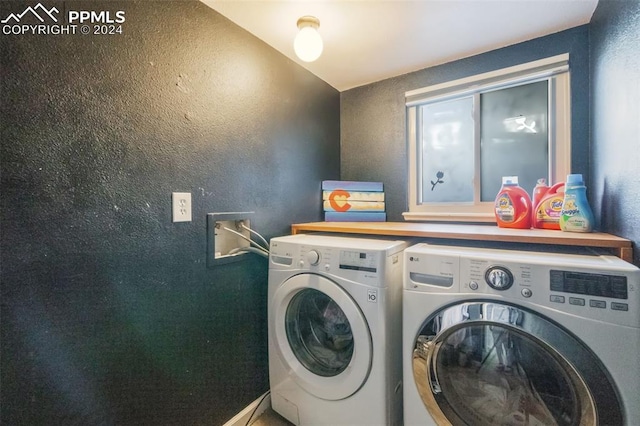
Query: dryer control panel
[596, 286]
[369, 261]
[358, 260]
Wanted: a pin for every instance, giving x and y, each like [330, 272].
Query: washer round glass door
[490, 363]
[322, 336]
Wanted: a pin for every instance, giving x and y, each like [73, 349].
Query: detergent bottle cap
[541, 182]
[509, 180]
[574, 180]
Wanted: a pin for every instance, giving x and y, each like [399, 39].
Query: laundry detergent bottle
[513, 205]
[539, 191]
[576, 213]
[546, 212]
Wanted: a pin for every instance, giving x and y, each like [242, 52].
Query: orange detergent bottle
[546, 213]
[539, 190]
[513, 205]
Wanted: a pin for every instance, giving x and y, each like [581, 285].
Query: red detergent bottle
[547, 211]
[539, 191]
[513, 205]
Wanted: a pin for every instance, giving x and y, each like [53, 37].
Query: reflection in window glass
[319, 333]
[447, 151]
[515, 136]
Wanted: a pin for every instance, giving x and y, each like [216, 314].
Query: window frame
[554, 69]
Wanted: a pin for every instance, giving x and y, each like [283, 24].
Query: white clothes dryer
[511, 337]
[335, 335]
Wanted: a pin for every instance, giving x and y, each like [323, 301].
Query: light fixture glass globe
[308, 44]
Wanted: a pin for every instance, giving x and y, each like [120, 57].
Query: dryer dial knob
[313, 257]
[499, 278]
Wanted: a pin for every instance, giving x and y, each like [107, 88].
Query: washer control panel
[313, 257]
[592, 285]
[589, 284]
[498, 278]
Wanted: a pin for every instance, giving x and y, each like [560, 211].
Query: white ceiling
[370, 40]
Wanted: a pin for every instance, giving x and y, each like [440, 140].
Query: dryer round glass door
[488, 363]
[322, 336]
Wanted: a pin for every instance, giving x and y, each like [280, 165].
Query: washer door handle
[432, 373]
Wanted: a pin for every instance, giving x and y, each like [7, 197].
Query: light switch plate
[181, 206]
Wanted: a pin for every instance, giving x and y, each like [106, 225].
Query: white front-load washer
[513, 337]
[334, 309]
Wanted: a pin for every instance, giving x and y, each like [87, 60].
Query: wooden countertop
[621, 247]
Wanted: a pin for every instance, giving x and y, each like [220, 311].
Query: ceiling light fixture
[308, 43]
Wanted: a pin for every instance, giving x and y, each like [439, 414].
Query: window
[464, 135]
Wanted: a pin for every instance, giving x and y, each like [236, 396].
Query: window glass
[447, 151]
[514, 136]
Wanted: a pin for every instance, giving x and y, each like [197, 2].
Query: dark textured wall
[615, 118]
[109, 314]
[373, 119]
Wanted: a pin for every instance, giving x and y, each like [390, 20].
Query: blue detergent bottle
[576, 215]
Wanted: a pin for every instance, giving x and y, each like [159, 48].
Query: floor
[270, 418]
